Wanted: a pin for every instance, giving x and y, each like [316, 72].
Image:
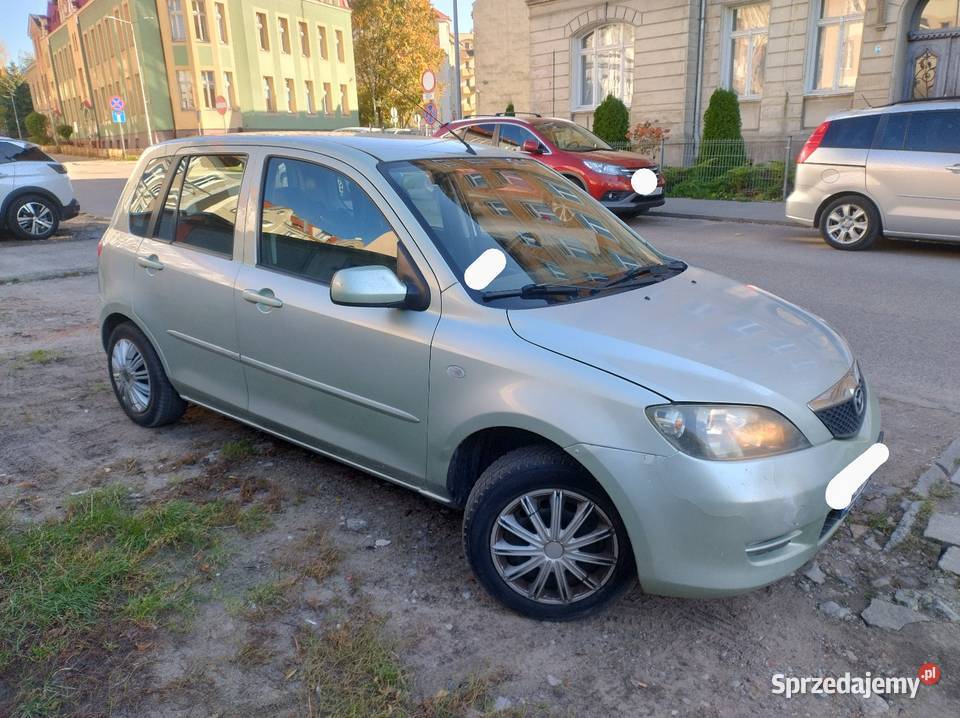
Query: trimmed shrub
[509, 112]
[611, 120]
[38, 127]
[65, 132]
[722, 141]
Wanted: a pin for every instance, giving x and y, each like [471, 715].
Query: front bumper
[711, 528]
[71, 210]
[628, 201]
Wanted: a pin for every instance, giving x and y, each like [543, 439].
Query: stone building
[791, 62]
[284, 65]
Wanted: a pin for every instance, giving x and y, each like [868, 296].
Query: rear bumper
[70, 211]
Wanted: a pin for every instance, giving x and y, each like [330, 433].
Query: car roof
[910, 106]
[387, 148]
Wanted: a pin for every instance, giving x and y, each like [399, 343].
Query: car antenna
[446, 124]
[866, 101]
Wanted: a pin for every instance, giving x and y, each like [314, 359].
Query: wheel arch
[852, 193]
[28, 190]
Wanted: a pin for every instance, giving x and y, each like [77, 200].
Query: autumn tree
[394, 41]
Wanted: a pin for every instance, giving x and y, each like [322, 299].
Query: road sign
[116, 103]
[221, 104]
[428, 80]
[119, 117]
[430, 114]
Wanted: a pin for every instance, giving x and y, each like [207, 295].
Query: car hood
[698, 337]
[618, 157]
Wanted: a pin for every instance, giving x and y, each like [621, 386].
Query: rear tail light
[813, 143]
[57, 167]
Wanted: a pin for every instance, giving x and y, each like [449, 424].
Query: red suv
[572, 150]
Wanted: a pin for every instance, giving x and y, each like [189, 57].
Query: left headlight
[602, 167]
[724, 432]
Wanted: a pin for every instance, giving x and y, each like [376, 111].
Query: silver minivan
[469, 324]
[892, 171]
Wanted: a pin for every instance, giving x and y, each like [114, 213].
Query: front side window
[200, 20]
[604, 65]
[570, 136]
[185, 84]
[316, 221]
[934, 131]
[512, 137]
[748, 48]
[146, 195]
[206, 202]
[548, 231]
[838, 43]
[178, 27]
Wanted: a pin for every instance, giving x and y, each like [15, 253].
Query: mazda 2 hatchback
[468, 324]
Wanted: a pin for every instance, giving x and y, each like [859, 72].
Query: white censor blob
[843, 486]
[644, 181]
[485, 268]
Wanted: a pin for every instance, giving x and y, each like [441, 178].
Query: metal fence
[748, 170]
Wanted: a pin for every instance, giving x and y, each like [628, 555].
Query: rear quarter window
[30, 153]
[853, 133]
[146, 195]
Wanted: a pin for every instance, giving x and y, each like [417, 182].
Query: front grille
[628, 171]
[843, 420]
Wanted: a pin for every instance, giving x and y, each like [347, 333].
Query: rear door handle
[151, 262]
[264, 297]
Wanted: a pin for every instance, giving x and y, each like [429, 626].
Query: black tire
[164, 405]
[853, 207]
[36, 202]
[521, 472]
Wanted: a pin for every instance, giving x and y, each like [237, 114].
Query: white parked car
[35, 191]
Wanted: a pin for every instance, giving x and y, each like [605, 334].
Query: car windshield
[507, 226]
[571, 137]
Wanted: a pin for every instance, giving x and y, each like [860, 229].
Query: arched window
[603, 65]
[938, 15]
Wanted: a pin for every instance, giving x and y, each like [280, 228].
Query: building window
[304, 39]
[283, 29]
[228, 89]
[327, 98]
[344, 100]
[604, 65]
[340, 49]
[939, 15]
[311, 100]
[200, 20]
[209, 89]
[178, 27]
[269, 95]
[839, 37]
[262, 33]
[322, 34]
[747, 48]
[185, 83]
[291, 95]
[221, 14]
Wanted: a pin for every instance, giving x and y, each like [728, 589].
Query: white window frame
[201, 28]
[577, 52]
[178, 21]
[208, 85]
[281, 34]
[220, 16]
[726, 55]
[816, 24]
[261, 22]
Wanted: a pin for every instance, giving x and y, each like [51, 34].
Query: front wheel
[851, 223]
[33, 217]
[544, 539]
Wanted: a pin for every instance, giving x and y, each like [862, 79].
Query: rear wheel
[544, 539]
[139, 381]
[851, 223]
[33, 217]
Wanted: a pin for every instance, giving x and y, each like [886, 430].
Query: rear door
[185, 275]
[914, 173]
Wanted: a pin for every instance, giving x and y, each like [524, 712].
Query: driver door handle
[151, 262]
[258, 297]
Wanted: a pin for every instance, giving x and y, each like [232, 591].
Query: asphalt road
[898, 304]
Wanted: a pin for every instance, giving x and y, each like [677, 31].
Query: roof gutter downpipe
[697, 99]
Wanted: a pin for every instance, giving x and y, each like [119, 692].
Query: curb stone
[40, 276]
[903, 528]
[717, 218]
[950, 561]
[928, 478]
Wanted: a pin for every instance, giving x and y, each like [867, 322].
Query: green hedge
[708, 181]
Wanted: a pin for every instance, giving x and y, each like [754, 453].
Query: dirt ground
[62, 433]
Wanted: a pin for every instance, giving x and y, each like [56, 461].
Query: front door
[350, 381]
[186, 272]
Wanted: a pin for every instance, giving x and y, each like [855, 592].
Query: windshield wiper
[656, 272]
[533, 291]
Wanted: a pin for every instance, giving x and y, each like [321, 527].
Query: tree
[611, 120]
[13, 82]
[722, 144]
[509, 112]
[394, 41]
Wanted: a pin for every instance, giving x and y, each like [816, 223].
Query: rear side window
[316, 221]
[512, 137]
[478, 134]
[146, 195]
[852, 133]
[893, 132]
[934, 131]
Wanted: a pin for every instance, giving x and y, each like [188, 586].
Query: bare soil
[62, 433]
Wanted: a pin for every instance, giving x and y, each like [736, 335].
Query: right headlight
[726, 432]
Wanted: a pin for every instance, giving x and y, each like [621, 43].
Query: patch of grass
[237, 450]
[269, 596]
[923, 515]
[63, 583]
[248, 520]
[37, 356]
[252, 653]
[941, 490]
[879, 522]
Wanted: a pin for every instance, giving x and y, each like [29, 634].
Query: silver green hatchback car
[472, 326]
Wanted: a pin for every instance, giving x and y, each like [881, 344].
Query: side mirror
[531, 147]
[372, 286]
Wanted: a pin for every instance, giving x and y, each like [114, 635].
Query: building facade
[468, 74]
[501, 33]
[791, 62]
[446, 77]
[279, 65]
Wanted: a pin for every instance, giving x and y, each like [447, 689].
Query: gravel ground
[61, 432]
